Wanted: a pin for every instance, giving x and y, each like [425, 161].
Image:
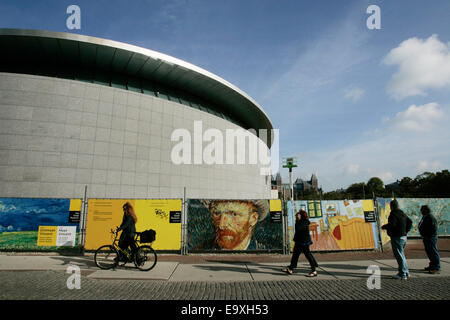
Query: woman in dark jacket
[302, 241]
[428, 230]
[128, 228]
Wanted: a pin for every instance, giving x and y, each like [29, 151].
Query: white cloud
[425, 165]
[352, 169]
[354, 94]
[396, 151]
[417, 118]
[386, 176]
[422, 65]
[7, 208]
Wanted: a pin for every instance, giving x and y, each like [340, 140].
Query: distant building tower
[277, 185]
[278, 181]
[301, 185]
[314, 182]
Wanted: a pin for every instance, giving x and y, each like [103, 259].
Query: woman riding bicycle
[128, 228]
[144, 257]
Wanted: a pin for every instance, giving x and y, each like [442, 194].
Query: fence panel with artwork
[241, 225]
[212, 225]
[337, 225]
[161, 215]
[440, 208]
[38, 223]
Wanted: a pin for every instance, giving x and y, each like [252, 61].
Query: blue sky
[350, 103]
[29, 214]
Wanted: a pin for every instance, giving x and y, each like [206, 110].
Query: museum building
[79, 111]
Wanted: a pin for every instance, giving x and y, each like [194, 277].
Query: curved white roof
[33, 46]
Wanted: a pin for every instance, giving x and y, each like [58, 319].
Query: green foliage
[25, 240]
[425, 185]
[19, 240]
[375, 185]
[309, 194]
[356, 191]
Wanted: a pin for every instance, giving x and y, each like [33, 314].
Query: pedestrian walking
[397, 229]
[428, 231]
[302, 240]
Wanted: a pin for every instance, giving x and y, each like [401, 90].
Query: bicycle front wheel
[145, 258]
[106, 257]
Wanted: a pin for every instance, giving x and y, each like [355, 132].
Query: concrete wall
[57, 135]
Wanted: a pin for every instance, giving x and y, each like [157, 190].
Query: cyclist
[128, 229]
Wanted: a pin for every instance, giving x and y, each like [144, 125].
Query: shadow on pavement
[79, 260]
[229, 262]
[338, 270]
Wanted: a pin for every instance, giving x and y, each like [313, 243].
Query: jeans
[398, 247]
[432, 252]
[298, 249]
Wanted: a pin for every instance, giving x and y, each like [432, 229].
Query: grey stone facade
[58, 136]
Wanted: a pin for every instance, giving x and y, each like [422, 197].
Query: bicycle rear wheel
[106, 257]
[145, 258]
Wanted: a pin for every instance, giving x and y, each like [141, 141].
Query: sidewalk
[217, 270]
[239, 267]
[227, 277]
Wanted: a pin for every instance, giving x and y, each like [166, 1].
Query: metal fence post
[83, 218]
[286, 248]
[183, 224]
[376, 207]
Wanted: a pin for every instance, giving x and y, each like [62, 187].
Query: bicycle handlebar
[116, 233]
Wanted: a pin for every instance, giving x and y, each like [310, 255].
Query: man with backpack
[397, 228]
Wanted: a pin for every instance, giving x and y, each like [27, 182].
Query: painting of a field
[20, 219]
[23, 240]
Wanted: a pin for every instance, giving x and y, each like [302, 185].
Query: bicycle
[107, 256]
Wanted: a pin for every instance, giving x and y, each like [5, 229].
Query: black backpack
[148, 236]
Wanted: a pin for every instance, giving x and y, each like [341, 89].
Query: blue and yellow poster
[20, 219]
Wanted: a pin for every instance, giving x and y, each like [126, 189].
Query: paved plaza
[45, 277]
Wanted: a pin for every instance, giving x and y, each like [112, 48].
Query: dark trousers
[298, 249]
[432, 252]
[126, 242]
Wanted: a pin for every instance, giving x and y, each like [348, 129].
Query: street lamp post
[290, 163]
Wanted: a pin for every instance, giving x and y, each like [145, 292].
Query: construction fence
[206, 225]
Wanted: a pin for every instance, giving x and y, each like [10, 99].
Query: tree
[356, 190]
[442, 183]
[376, 186]
[425, 185]
[407, 188]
